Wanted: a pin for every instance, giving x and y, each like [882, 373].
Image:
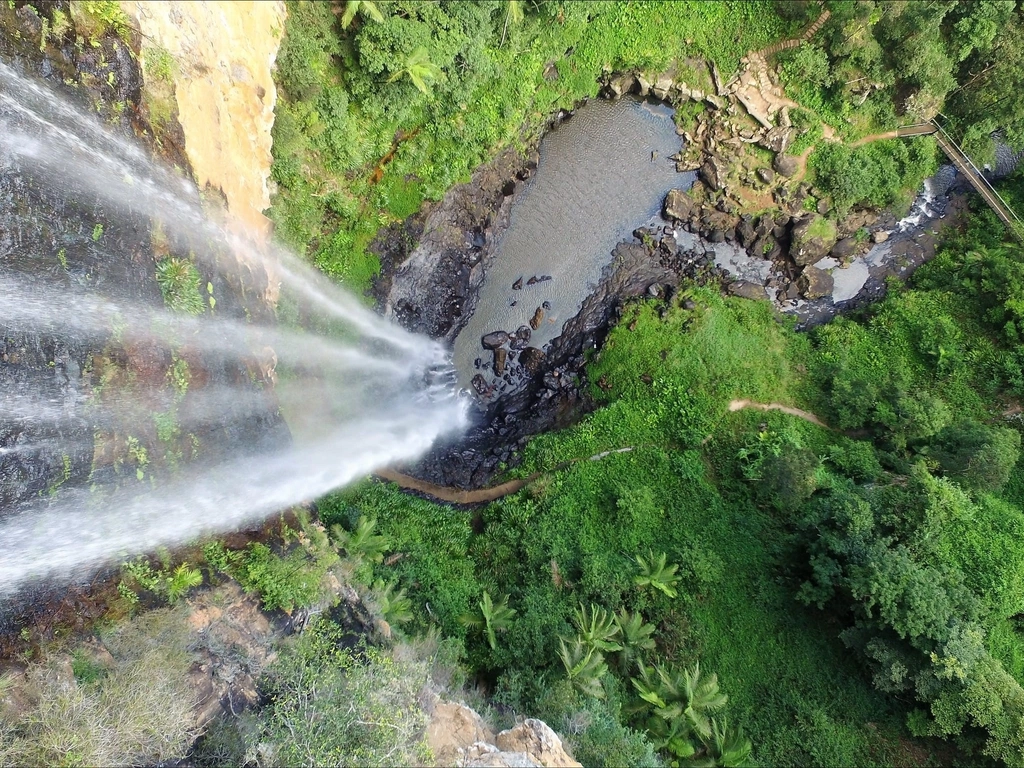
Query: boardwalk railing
[981, 185]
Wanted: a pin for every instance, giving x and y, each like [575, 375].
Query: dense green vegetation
[716, 587]
[876, 65]
[360, 142]
[755, 546]
[758, 544]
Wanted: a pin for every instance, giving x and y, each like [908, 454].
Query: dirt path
[494, 492]
[455, 495]
[739, 405]
[802, 168]
[875, 137]
[481, 495]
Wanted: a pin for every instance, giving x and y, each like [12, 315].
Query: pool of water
[602, 173]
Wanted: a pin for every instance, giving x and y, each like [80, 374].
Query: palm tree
[597, 628]
[685, 695]
[182, 580]
[655, 573]
[514, 12]
[362, 543]
[392, 607]
[726, 748]
[584, 665]
[419, 68]
[491, 618]
[368, 8]
[634, 637]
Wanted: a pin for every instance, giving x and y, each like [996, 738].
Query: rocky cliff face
[223, 54]
[458, 736]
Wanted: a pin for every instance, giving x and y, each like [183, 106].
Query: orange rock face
[224, 54]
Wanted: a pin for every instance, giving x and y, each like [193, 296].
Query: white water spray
[376, 393]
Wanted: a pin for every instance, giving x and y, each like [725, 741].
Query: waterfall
[131, 381]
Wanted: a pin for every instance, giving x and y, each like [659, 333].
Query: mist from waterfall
[373, 393]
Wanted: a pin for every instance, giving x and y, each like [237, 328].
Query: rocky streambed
[523, 276]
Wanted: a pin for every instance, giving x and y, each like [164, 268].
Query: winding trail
[495, 492]
[482, 495]
[739, 405]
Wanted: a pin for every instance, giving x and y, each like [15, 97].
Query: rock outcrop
[815, 283]
[813, 237]
[223, 54]
[458, 736]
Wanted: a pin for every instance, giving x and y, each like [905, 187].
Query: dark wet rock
[747, 290]
[716, 236]
[844, 248]
[494, 339]
[815, 283]
[813, 237]
[431, 274]
[521, 337]
[546, 305]
[786, 165]
[537, 319]
[479, 384]
[745, 231]
[500, 358]
[517, 285]
[532, 281]
[531, 359]
[857, 220]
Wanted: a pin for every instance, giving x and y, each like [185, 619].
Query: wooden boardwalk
[981, 185]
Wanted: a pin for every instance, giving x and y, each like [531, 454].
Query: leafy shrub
[179, 283]
[285, 582]
[330, 706]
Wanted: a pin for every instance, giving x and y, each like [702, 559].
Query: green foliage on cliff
[331, 705]
[360, 142]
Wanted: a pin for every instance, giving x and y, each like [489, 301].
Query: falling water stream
[375, 393]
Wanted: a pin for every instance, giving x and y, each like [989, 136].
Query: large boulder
[494, 339]
[537, 740]
[500, 358]
[453, 728]
[747, 290]
[815, 283]
[778, 138]
[786, 165]
[813, 237]
[678, 205]
[844, 248]
[745, 232]
[713, 172]
[621, 84]
[531, 359]
[661, 87]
